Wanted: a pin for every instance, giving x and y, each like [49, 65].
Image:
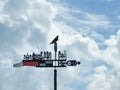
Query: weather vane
[44, 59]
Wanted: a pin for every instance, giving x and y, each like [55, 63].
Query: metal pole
[55, 71]
[55, 49]
[55, 79]
[55, 60]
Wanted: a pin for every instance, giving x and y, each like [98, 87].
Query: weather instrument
[44, 60]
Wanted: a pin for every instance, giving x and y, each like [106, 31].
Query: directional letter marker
[44, 60]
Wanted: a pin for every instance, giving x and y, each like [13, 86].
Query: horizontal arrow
[47, 63]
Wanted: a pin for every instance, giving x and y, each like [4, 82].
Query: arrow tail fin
[18, 64]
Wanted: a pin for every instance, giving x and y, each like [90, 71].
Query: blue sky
[88, 30]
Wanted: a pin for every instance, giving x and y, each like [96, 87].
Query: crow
[54, 40]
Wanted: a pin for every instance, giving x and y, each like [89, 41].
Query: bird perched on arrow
[54, 40]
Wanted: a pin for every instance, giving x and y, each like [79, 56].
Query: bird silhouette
[55, 40]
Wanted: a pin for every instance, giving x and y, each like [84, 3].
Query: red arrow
[27, 63]
[30, 62]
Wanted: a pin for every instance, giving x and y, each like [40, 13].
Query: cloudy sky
[89, 30]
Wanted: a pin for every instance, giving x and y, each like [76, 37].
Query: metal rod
[55, 60]
[55, 49]
[55, 79]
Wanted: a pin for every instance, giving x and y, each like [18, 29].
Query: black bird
[54, 40]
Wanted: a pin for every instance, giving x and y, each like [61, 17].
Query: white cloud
[99, 80]
[34, 24]
[104, 79]
[112, 53]
[88, 24]
[74, 42]
[83, 19]
[28, 26]
[33, 20]
[119, 17]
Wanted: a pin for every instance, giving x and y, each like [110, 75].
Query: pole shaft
[55, 79]
[55, 60]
